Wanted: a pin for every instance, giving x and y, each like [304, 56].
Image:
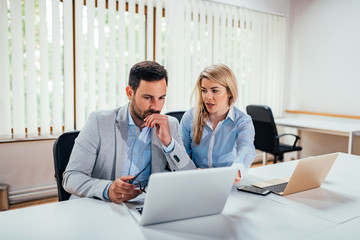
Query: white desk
[245, 216]
[338, 199]
[343, 231]
[323, 126]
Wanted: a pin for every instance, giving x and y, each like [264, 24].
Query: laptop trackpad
[137, 202]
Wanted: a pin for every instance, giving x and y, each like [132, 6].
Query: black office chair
[62, 150]
[177, 114]
[266, 135]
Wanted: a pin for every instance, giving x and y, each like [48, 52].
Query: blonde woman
[215, 132]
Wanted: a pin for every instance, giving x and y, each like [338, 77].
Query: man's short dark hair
[148, 71]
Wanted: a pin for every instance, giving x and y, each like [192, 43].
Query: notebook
[184, 194]
[308, 174]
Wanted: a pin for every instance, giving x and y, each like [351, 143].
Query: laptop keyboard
[277, 188]
[139, 209]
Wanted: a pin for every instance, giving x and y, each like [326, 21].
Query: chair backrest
[61, 151]
[177, 114]
[265, 128]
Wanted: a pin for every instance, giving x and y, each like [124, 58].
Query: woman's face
[214, 96]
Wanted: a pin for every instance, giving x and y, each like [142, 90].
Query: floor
[55, 199]
[33, 203]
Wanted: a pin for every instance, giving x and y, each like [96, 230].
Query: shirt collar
[145, 132]
[231, 114]
[130, 119]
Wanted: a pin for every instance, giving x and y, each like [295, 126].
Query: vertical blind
[36, 82]
[251, 43]
[110, 38]
[57, 72]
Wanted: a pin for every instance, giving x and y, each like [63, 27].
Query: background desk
[245, 216]
[323, 126]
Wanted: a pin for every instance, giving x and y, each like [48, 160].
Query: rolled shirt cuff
[105, 193]
[242, 169]
[169, 148]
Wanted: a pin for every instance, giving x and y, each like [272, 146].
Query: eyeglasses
[142, 188]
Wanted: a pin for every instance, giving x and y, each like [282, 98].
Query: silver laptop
[308, 174]
[184, 194]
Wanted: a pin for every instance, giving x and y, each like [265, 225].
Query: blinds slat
[202, 37]
[263, 54]
[237, 60]
[255, 68]
[188, 81]
[158, 47]
[91, 69]
[195, 32]
[179, 64]
[131, 33]
[245, 52]
[271, 64]
[68, 67]
[57, 106]
[18, 73]
[31, 100]
[281, 64]
[44, 73]
[216, 24]
[101, 76]
[222, 46]
[165, 36]
[210, 36]
[122, 79]
[232, 33]
[80, 104]
[150, 31]
[170, 23]
[275, 62]
[112, 54]
[175, 29]
[5, 124]
[228, 43]
[141, 34]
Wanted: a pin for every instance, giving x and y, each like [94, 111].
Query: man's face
[148, 99]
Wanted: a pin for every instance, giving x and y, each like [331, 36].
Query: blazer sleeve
[77, 178]
[178, 159]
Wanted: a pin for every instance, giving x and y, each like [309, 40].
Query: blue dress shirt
[138, 153]
[231, 143]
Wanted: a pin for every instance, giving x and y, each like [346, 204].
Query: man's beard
[137, 114]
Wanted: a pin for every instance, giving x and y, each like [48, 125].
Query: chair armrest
[290, 134]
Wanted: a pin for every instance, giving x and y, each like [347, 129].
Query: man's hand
[161, 122]
[120, 190]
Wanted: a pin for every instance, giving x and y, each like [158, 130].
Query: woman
[216, 133]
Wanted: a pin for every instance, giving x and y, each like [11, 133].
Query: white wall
[324, 56]
[324, 66]
[28, 168]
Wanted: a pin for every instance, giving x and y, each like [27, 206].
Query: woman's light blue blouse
[230, 144]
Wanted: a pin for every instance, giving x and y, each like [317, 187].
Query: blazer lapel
[121, 132]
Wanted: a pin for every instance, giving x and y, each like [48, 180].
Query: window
[61, 66]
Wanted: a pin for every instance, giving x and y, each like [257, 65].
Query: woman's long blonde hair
[222, 75]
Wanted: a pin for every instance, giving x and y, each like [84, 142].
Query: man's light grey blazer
[99, 153]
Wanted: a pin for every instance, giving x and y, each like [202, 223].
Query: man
[135, 139]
